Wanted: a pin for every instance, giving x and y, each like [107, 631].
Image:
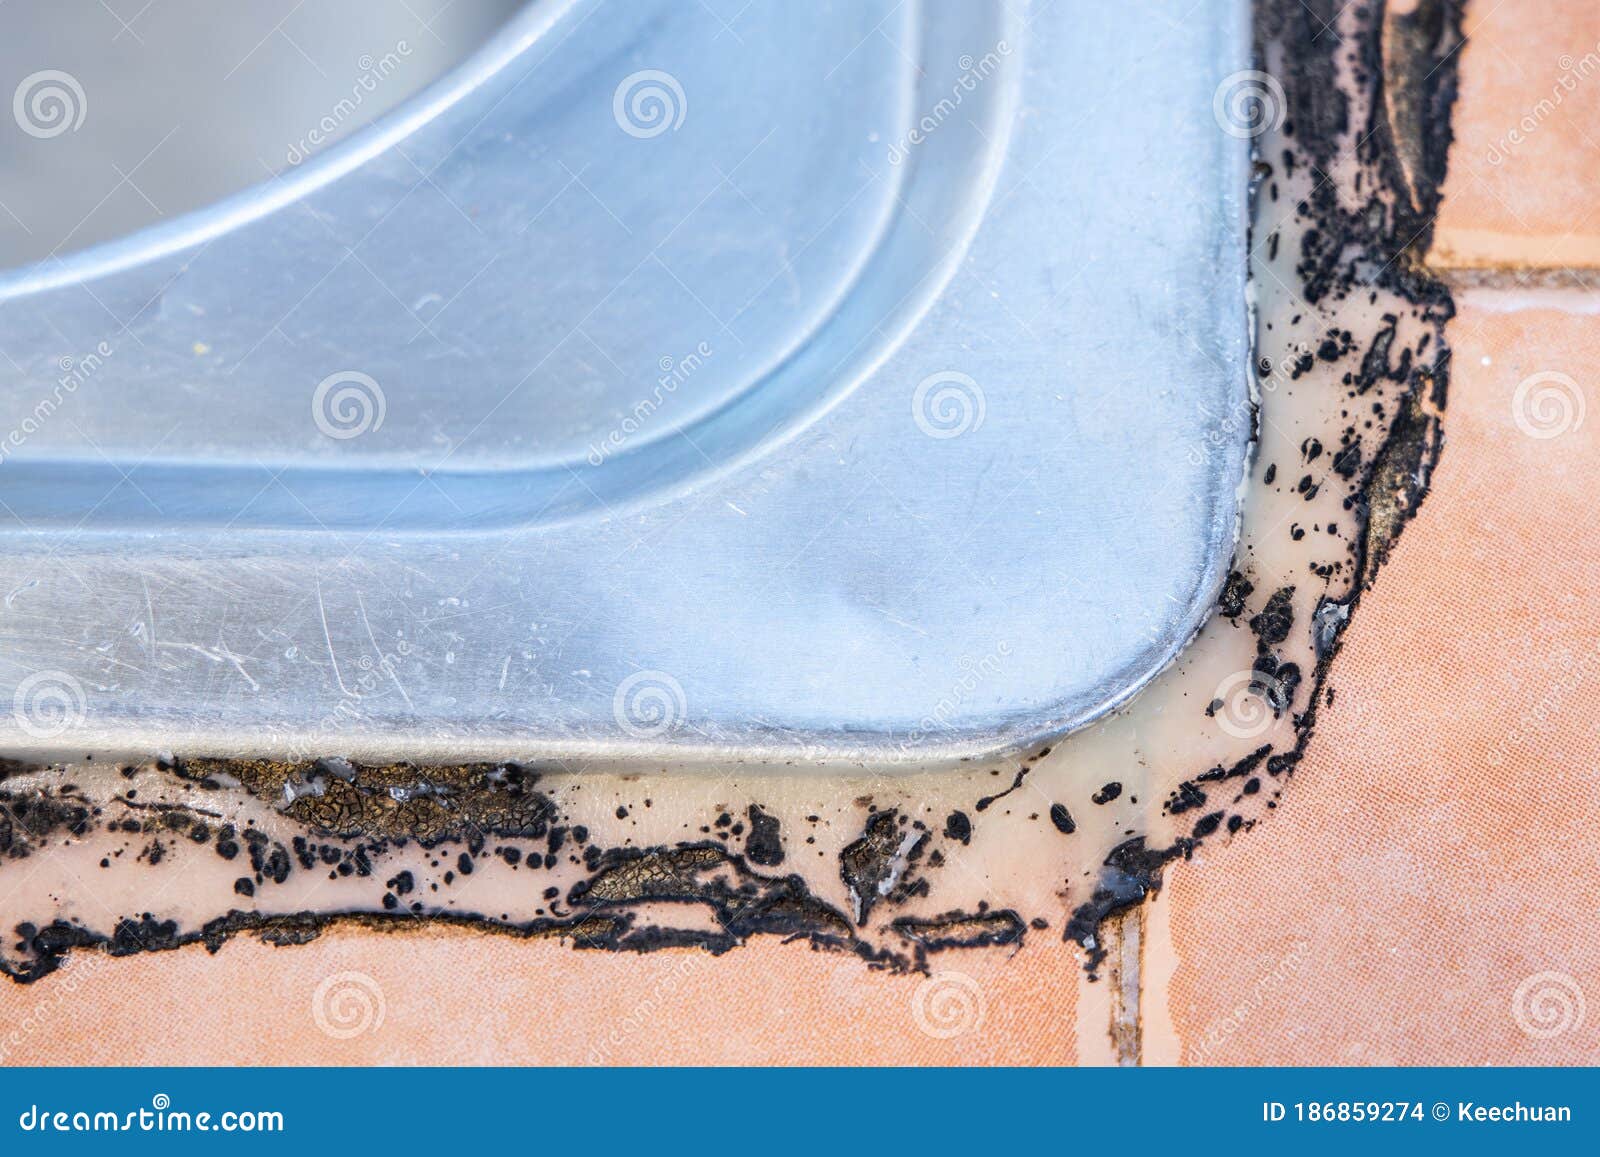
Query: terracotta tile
[1526, 159]
[1435, 851]
[457, 997]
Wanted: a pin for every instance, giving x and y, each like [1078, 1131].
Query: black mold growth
[1405, 142]
[350, 816]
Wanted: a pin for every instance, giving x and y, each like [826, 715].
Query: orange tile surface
[1436, 850]
[1526, 160]
[459, 997]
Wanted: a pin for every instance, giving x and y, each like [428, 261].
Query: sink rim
[182, 704]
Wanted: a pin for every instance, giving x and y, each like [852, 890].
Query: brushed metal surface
[665, 385]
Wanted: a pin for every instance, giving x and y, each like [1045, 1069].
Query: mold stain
[1351, 383]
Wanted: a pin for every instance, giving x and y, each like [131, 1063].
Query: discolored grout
[890, 871]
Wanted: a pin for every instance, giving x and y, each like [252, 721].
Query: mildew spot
[1352, 378]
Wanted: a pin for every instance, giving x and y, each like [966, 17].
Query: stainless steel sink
[668, 384]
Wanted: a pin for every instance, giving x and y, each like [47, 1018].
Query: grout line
[1466, 249]
[1517, 277]
[1125, 977]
